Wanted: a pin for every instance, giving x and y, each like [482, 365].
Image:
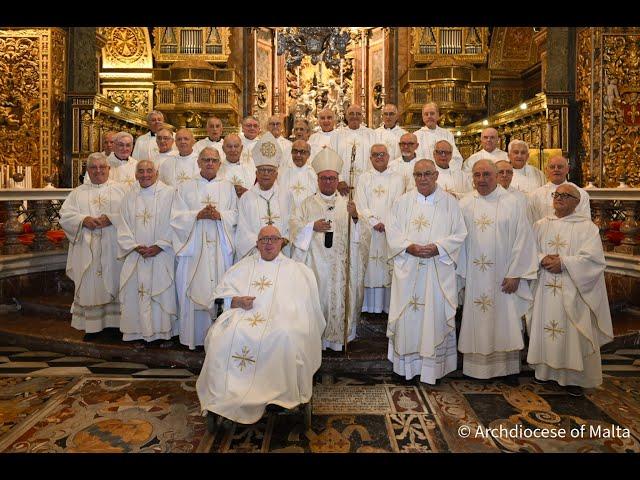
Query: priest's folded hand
[321, 225]
[152, 251]
[510, 285]
[343, 188]
[417, 250]
[246, 302]
[104, 221]
[379, 227]
[240, 190]
[91, 223]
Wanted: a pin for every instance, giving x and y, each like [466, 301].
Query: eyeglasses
[120, 144]
[209, 160]
[481, 174]
[505, 172]
[563, 196]
[295, 151]
[556, 167]
[424, 174]
[265, 240]
[163, 139]
[389, 114]
[379, 154]
[328, 179]
[266, 171]
[406, 144]
[98, 167]
[443, 152]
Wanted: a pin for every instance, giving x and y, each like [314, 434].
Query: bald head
[389, 115]
[408, 146]
[269, 242]
[557, 169]
[489, 139]
[354, 117]
[232, 147]
[565, 200]
[505, 173]
[485, 176]
[327, 119]
[185, 141]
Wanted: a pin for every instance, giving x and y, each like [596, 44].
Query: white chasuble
[329, 263]
[404, 168]
[455, 182]
[92, 261]
[176, 170]
[375, 194]
[302, 182]
[204, 250]
[258, 208]
[570, 318]
[427, 139]
[541, 202]
[320, 140]
[268, 354]
[147, 288]
[390, 137]
[424, 295]
[343, 142]
[498, 246]
[239, 173]
[527, 178]
[123, 172]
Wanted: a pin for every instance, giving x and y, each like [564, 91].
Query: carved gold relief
[512, 48]
[126, 47]
[32, 86]
[136, 100]
[469, 44]
[583, 98]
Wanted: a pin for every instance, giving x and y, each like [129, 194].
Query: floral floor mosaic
[52, 403]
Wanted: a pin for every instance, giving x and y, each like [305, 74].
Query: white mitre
[327, 159]
[267, 151]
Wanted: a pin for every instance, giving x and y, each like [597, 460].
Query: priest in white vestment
[322, 139]
[147, 288]
[204, 218]
[541, 201]
[213, 138]
[274, 125]
[146, 147]
[89, 218]
[505, 176]
[426, 232]
[164, 139]
[353, 144]
[181, 168]
[122, 166]
[240, 171]
[496, 264]
[301, 129]
[319, 232]
[301, 179]
[265, 203]
[389, 132]
[455, 182]
[406, 161]
[490, 151]
[250, 131]
[265, 348]
[526, 178]
[376, 191]
[431, 133]
[570, 318]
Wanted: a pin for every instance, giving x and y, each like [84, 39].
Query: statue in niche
[611, 92]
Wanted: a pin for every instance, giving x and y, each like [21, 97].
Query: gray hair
[154, 112]
[95, 158]
[120, 135]
[516, 143]
[210, 149]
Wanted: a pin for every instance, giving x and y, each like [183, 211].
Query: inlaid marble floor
[55, 403]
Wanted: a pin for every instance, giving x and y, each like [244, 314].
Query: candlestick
[383, 65]
[255, 59]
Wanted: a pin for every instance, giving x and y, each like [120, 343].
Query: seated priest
[265, 348]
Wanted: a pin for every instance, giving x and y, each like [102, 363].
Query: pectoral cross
[145, 216]
[379, 191]
[297, 188]
[99, 202]
[208, 201]
[182, 177]
[483, 222]
[557, 243]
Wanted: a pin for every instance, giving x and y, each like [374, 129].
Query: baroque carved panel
[126, 47]
[133, 99]
[512, 48]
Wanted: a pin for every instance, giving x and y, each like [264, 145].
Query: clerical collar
[265, 193]
[97, 185]
[278, 259]
[390, 128]
[328, 198]
[377, 172]
[208, 181]
[148, 190]
[152, 134]
[120, 160]
[440, 169]
[493, 195]
[212, 140]
[185, 156]
[427, 199]
[407, 160]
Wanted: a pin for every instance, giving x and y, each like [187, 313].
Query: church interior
[570, 91]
